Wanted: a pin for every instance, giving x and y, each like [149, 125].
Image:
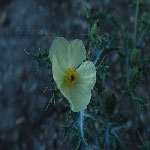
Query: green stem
[80, 124]
[107, 135]
[136, 20]
[141, 37]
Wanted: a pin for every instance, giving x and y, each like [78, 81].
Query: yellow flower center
[71, 77]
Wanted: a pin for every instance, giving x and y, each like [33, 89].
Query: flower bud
[109, 103]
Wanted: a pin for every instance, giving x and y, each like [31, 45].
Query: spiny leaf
[50, 101]
[135, 77]
[135, 57]
[41, 58]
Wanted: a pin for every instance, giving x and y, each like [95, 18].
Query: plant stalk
[136, 20]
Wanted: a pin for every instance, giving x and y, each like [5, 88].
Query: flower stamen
[71, 77]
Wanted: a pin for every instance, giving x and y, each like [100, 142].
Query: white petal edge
[59, 48]
[81, 93]
[87, 74]
[68, 54]
[59, 78]
[76, 53]
[78, 96]
[58, 73]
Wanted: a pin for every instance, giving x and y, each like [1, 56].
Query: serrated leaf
[40, 58]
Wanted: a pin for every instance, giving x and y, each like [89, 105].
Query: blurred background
[32, 25]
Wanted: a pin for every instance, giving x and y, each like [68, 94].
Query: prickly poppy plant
[95, 91]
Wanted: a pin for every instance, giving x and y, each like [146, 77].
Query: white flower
[74, 78]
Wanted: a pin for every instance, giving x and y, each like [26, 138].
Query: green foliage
[135, 77]
[41, 58]
[142, 4]
[99, 16]
[145, 23]
[94, 31]
[144, 28]
[140, 101]
[109, 103]
[135, 57]
[145, 142]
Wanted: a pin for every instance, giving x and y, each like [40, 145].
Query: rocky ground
[24, 125]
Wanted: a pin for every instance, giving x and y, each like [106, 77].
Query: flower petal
[76, 53]
[59, 77]
[65, 90]
[78, 96]
[59, 48]
[58, 73]
[69, 55]
[87, 74]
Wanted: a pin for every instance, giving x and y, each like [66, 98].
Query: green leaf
[135, 57]
[135, 78]
[41, 58]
